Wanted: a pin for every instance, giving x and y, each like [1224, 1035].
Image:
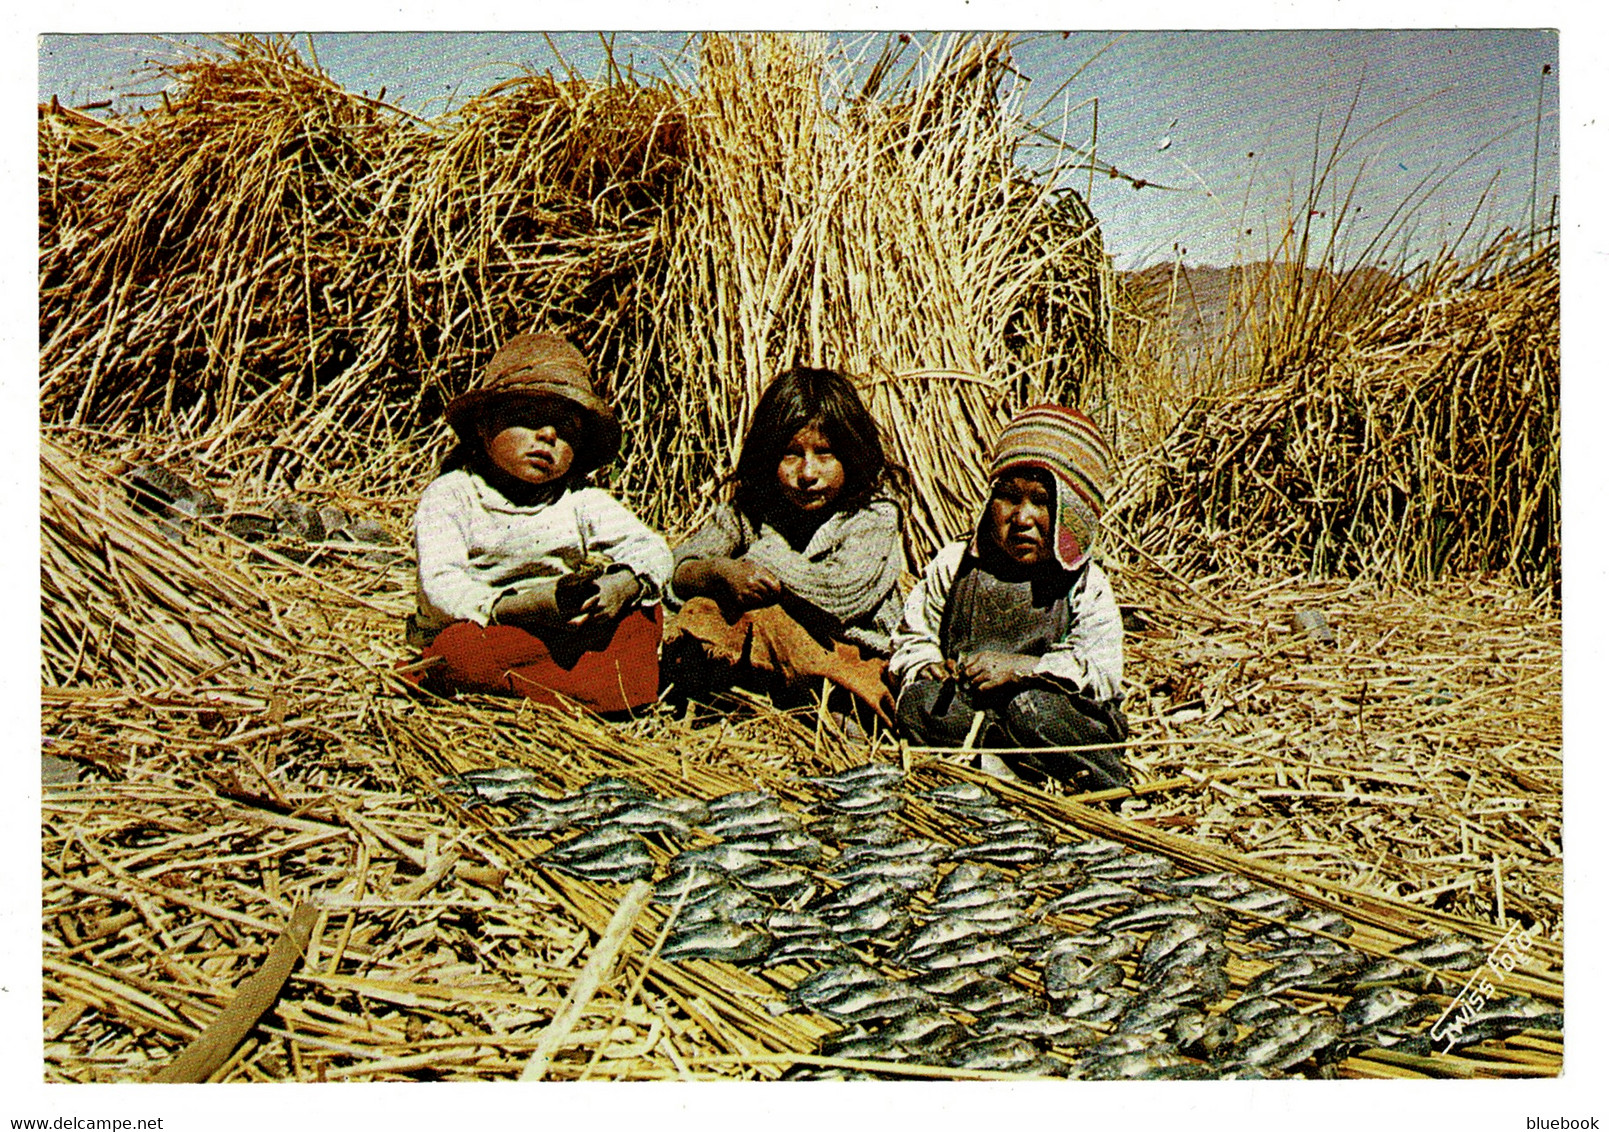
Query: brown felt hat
[542, 366]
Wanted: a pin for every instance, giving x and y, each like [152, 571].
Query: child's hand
[614, 591]
[988, 670]
[750, 585]
[534, 603]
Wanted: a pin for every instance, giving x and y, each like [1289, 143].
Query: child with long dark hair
[531, 580]
[796, 577]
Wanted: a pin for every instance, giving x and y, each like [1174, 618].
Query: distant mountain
[1220, 311]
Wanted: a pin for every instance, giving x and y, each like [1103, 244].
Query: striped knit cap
[1065, 443]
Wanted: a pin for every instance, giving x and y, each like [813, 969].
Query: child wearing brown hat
[531, 580]
[1019, 622]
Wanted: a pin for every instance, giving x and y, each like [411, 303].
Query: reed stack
[272, 285]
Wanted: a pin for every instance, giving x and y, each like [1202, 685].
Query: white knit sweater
[475, 545]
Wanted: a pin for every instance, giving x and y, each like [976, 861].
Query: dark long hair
[803, 397]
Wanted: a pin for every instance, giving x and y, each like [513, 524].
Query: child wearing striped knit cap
[1019, 622]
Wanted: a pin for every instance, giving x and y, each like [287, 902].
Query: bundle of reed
[295, 276]
[311, 272]
[168, 878]
[1425, 442]
[214, 256]
[668, 760]
[1393, 761]
[888, 231]
[443, 949]
[124, 604]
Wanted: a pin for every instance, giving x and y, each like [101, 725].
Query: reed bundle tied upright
[304, 274]
[890, 230]
[1423, 439]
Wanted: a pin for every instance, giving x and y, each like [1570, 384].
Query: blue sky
[1222, 125]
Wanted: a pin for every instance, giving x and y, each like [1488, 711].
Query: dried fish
[717, 939]
[948, 981]
[1003, 1055]
[883, 1001]
[867, 801]
[870, 923]
[763, 820]
[911, 848]
[689, 884]
[1011, 849]
[1131, 866]
[1174, 934]
[1304, 922]
[1089, 1005]
[857, 894]
[1214, 886]
[1385, 1007]
[830, 982]
[1029, 936]
[1155, 914]
[721, 857]
[977, 895]
[1202, 983]
[943, 932]
[1097, 946]
[860, 1046]
[784, 923]
[925, 1032]
[592, 844]
[910, 873]
[1252, 1010]
[1089, 852]
[1069, 972]
[740, 800]
[1448, 952]
[1096, 894]
[968, 875]
[960, 793]
[1039, 1027]
[853, 829]
[1201, 951]
[1286, 1040]
[988, 995]
[1066, 873]
[790, 886]
[986, 956]
[1388, 971]
[727, 902]
[860, 777]
[784, 846]
[647, 817]
[1266, 903]
[808, 949]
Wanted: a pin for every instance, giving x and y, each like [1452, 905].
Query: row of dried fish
[993, 977]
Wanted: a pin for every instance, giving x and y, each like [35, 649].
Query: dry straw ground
[273, 282]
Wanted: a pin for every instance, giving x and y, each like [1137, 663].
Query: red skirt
[621, 673]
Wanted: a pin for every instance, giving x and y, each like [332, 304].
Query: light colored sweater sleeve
[606, 526]
[1090, 656]
[916, 641]
[721, 536]
[848, 574]
[441, 531]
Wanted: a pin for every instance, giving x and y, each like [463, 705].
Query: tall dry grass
[1416, 437]
[289, 279]
[889, 230]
